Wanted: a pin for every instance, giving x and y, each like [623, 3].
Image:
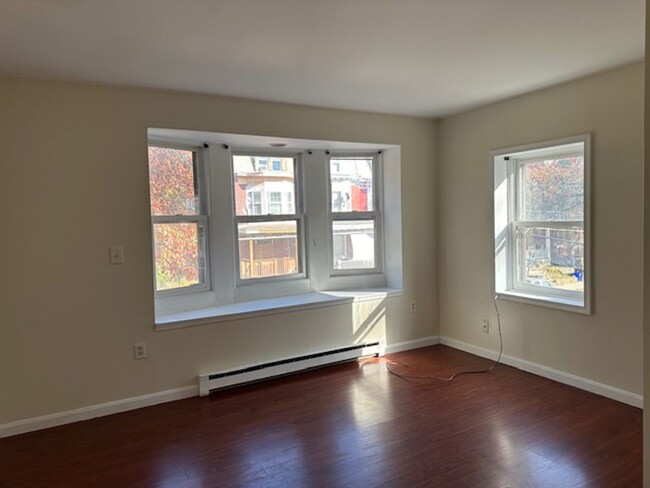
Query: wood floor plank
[350, 425]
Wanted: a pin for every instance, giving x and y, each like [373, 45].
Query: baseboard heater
[217, 381]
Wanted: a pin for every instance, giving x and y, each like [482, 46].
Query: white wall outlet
[413, 306]
[485, 326]
[140, 350]
[117, 255]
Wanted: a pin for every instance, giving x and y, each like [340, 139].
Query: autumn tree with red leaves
[173, 192]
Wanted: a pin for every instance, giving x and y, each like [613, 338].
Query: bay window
[235, 221]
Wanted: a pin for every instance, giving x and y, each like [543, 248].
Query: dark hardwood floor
[346, 426]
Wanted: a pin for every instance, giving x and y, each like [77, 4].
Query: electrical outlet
[413, 307]
[485, 326]
[139, 350]
[117, 255]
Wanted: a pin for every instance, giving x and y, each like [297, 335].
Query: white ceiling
[417, 57]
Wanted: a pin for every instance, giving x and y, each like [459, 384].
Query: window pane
[173, 182]
[553, 189]
[268, 249]
[351, 183]
[353, 244]
[252, 175]
[180, 255]
[551, 257]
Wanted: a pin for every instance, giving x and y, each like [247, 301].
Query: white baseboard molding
[408, 345]
[126, 404]
[93, 411]
[601, 389]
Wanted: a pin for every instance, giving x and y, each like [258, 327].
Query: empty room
[300, 243]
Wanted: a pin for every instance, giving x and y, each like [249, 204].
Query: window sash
[376, 187]
[517, 172]
[517, 259]
[202, 220]
[362, 217]
[300, 250]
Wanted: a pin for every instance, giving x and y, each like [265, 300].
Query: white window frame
[251, 194]
[202, 219]
[376, 215]
[507, 167]
[271, 203]
[298, 216]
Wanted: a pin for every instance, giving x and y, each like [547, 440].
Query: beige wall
[74, 182]
[607, 346]
[646, 264]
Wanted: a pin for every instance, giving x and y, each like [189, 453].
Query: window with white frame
[179, 218]
[254, 202]
[231, 225]
[270, 242]
[355, 219]
[541, 223]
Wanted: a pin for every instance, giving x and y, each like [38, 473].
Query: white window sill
[566, 304]
[254, 308]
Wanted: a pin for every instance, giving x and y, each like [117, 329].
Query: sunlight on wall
[369, 321]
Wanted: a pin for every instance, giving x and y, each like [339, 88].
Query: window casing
[541, 221]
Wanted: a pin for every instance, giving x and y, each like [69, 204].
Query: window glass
[351, 184]
[179, 255]
[250, 184]
[553, 189]
[173, 183]
[268, 249]
[551, 257]
[353, 244]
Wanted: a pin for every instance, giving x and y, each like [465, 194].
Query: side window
[179, 218]
[355, 220]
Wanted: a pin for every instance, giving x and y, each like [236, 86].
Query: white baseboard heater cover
[215, 381]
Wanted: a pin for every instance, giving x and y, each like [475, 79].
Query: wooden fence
[260, 268]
